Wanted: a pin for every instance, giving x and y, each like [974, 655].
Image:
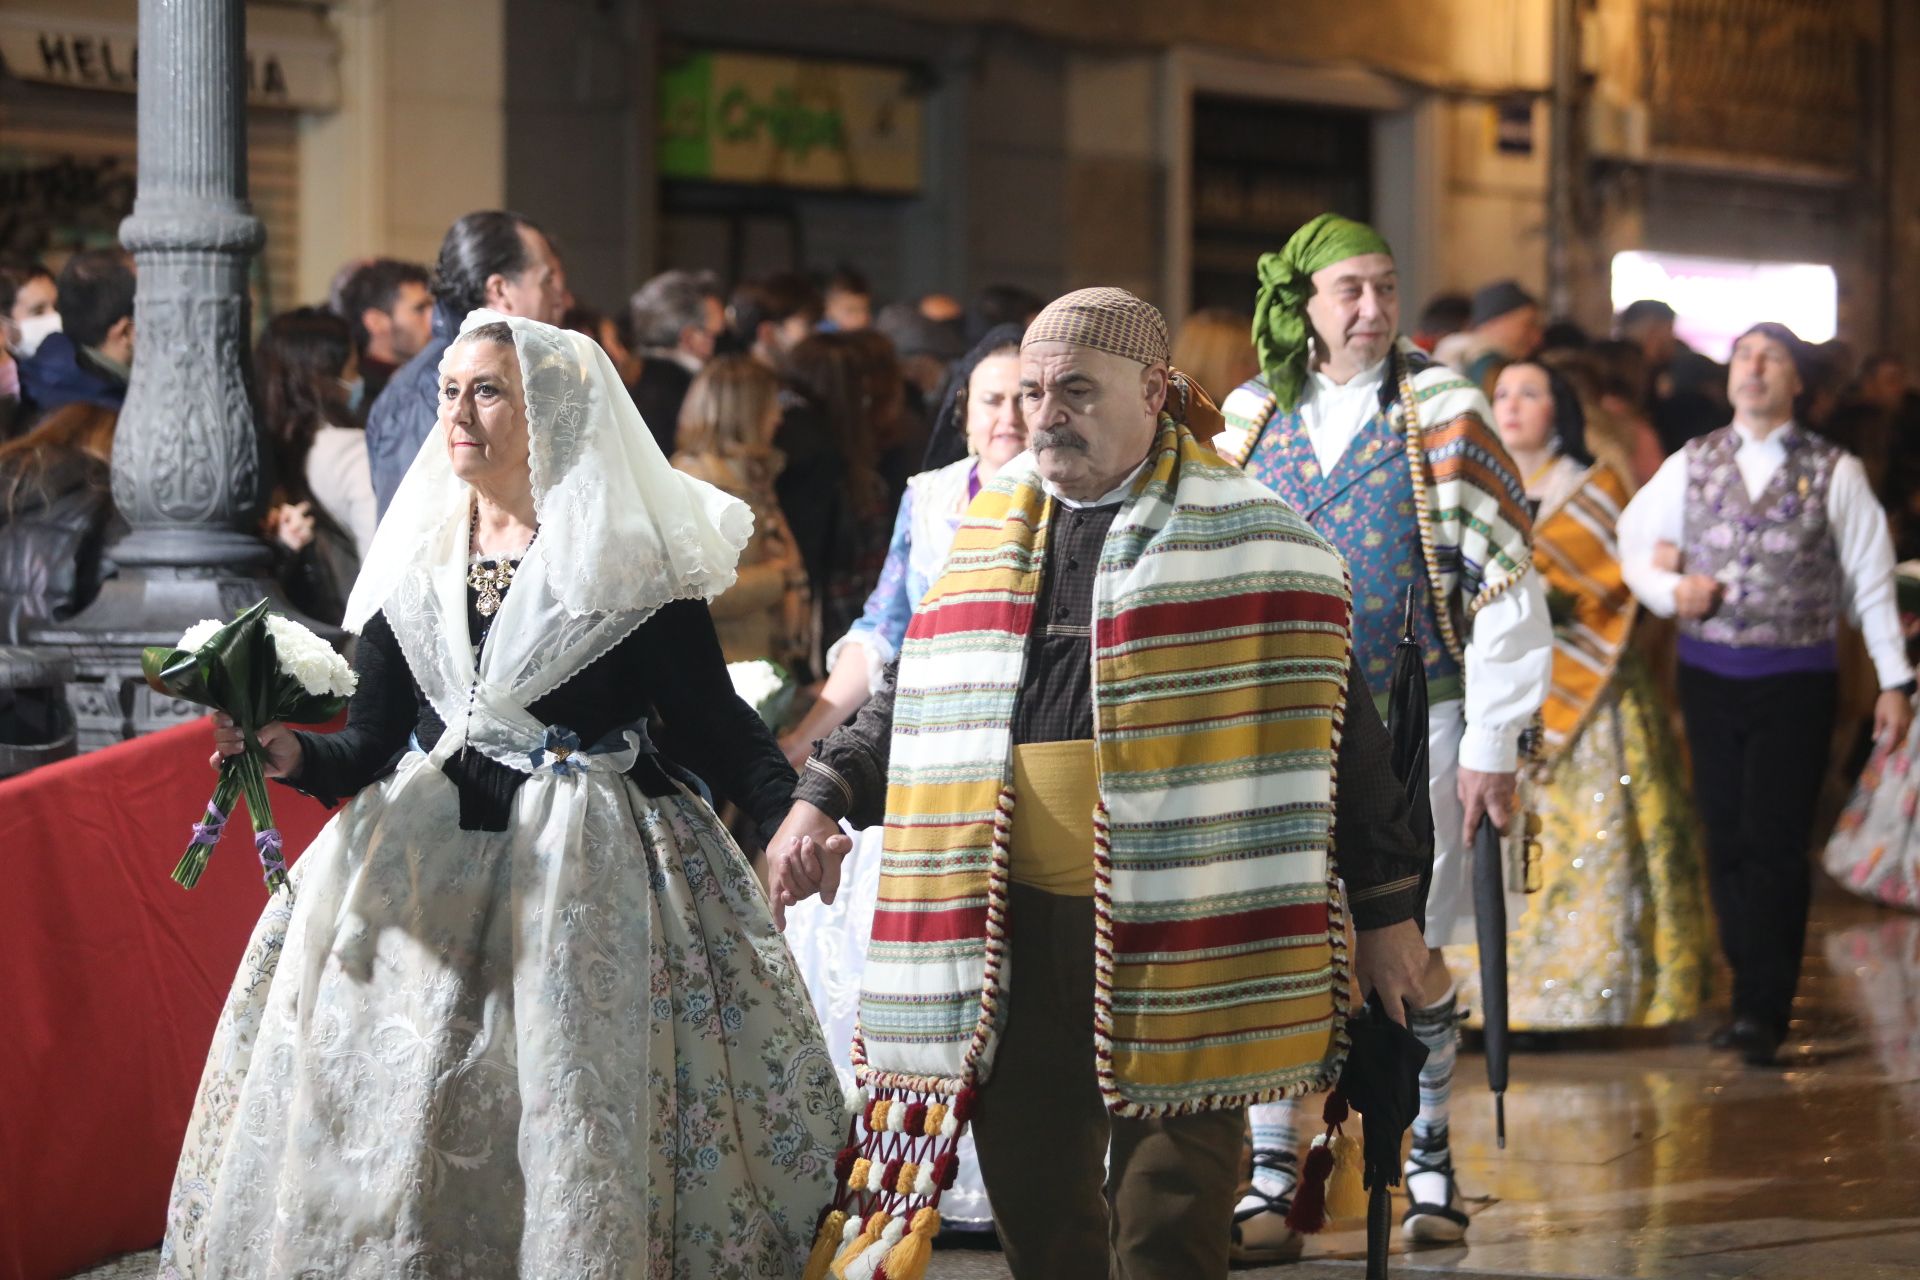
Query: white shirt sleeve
[1509, 665]
[1866, 564]
[341, 479]
[1658, 513]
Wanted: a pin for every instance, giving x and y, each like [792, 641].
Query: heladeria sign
[790, 122]
[98, 48]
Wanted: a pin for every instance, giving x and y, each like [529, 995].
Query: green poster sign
[727, 117]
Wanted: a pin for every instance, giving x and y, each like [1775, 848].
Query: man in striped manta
[1106, 759]
[1395, 460]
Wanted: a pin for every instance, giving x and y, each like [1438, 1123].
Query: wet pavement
[1653, 1157]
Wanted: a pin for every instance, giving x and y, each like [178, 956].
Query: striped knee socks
[1438, 1028]
[1276, 1149]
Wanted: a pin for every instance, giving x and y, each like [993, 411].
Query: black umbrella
[1407, 727]
[1381, 1080]
[1490, 927]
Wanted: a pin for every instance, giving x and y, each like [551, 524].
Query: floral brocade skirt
[1618, 934]
[1875, 847]
[576, 1048]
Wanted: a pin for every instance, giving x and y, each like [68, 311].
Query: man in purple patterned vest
[1760, 537]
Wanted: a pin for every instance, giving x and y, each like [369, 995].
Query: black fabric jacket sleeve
[380, 715]
[1373, 846]
[709, 728]
[1372, 843]
[846, 777]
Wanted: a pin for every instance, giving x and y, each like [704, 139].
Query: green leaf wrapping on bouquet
[237, 670]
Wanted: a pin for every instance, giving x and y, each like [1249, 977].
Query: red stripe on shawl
[929, 926]
[1215, 931]
[1246, 608]
[972, 615]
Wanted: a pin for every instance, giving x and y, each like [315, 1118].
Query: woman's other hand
[276, 739]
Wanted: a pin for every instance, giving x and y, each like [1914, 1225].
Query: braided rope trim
[1417, 464]
[1253, 431]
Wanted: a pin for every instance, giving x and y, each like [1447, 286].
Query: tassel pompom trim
[1309, 1213]
[826, 1241]
[901, 1155]
[1346, 1188]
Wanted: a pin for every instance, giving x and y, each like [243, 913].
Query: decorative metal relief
[188, 431]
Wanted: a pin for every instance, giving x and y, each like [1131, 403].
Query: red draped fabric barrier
[111, 978]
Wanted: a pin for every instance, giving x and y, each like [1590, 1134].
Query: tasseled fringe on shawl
[885, 1210]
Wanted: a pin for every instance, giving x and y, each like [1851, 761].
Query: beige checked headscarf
[1115, 321]
[1106, 319]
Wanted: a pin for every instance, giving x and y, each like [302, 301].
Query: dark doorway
[1260, 170]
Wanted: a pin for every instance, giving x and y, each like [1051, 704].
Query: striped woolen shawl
[1220, 650]
[1474, 526]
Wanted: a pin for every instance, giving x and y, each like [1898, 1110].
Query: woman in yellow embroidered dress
[1617, 935]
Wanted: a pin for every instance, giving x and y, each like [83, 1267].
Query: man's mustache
[1057, 438]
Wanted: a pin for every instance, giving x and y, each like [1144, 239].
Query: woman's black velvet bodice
[671, 666]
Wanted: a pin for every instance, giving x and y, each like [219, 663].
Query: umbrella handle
[1379, 1229]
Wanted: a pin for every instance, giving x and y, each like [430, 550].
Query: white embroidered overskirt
[575, 1048]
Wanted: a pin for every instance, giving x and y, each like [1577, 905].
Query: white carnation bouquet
[765, 686]
[259, 668]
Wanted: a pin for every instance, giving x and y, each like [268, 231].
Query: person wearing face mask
[309, 382]
[1394, 460]
[89, 359]
[27, 316]
[491, 258]
[1761, 537]
[1617, 934]
[829, 940]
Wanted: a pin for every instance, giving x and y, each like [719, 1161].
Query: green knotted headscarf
[1280, 332]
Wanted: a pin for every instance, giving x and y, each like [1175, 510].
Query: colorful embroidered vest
[1366, 510]
[1775, 554]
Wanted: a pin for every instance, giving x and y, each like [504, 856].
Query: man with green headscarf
[1434, 506]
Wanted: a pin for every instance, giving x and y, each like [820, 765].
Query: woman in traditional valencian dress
[829, 940]
[525, 1011]
[1875, 847]
[1617, 934]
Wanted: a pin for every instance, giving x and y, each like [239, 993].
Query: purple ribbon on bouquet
[267, 845]
[208, 832]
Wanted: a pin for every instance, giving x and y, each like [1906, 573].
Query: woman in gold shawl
[1617, 934]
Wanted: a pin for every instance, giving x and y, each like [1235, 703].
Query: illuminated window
[1718, 299]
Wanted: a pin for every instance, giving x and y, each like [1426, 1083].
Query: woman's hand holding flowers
[276, 739]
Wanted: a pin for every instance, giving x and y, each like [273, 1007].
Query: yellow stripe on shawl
[1183, 1062]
